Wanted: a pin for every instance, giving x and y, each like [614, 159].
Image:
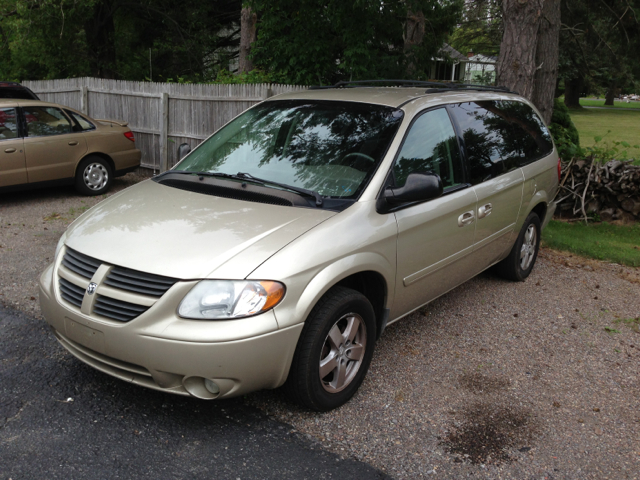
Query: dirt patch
[487, 433]
[480, 383]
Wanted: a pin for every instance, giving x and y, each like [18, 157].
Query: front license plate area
[85, 336]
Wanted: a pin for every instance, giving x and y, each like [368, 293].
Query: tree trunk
[611, 93]
[413, 35]
[547, 59]
[100, 34]
[516, 63]
[247, 37]
[572, 91]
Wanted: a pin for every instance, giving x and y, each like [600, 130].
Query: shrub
[565, 134]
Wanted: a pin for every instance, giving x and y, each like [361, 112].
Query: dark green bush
[565, 134]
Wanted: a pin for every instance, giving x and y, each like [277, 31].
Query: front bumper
[162, 351]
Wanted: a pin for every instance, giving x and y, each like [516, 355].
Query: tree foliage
[319, 42]
[128, 39]
[600, 41]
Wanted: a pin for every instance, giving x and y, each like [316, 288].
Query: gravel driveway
[493, 380]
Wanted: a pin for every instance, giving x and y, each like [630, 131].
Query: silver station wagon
[277, 252]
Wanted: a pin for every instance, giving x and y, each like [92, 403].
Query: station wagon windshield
[332, 148]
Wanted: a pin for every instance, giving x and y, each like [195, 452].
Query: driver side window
[430, 147]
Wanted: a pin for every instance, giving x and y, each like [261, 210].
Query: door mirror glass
[183, 150]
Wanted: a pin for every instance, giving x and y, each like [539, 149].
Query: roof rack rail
[435, 87]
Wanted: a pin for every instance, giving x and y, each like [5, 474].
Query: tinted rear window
[500, 136]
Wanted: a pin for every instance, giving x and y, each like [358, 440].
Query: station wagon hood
[166, 231]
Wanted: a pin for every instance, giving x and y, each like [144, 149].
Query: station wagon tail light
[225, 299]
[130, 136]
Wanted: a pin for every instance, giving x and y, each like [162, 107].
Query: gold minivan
[277, 252]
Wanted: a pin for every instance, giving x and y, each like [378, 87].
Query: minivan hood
[166, 231]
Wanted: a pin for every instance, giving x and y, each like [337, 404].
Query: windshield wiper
[259, 181]
[302, 191]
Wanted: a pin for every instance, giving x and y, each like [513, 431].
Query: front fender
[302, 300]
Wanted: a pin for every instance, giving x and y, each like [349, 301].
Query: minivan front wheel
[334, 351]
[518, 265]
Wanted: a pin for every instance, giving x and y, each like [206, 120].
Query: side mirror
[418, 188]
[183, 150]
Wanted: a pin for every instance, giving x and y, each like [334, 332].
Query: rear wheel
[518, 265]
[94, 176]
[334, 350]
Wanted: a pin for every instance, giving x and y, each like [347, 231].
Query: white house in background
[480, 69]
[451, 66]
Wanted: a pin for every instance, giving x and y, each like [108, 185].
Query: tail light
[130, 136]
[559, 170]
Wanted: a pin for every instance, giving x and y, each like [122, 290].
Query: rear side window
[430, 146]
[8, 123]
[45, 121]
[500, 136]
[81, 124]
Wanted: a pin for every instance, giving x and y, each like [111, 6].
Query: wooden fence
[162, 115]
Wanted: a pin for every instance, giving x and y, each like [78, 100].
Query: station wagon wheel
[518, 265]
[93, 176]
[334, 350]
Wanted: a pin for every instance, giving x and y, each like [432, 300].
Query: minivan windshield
[332, 148]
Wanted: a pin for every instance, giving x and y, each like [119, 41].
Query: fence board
[195, 111]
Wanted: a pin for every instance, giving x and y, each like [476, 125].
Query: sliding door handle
[485, 210]
[466, 218]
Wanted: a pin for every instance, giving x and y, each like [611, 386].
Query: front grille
[117, 309]
[139, 282]
[71, 293]
[80, 263]
[135, 286]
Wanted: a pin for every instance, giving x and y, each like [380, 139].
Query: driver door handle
[73, 142]
[9, 150]
[485, 210]
[466, 218]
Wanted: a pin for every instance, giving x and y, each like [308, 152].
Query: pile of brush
[601, 191]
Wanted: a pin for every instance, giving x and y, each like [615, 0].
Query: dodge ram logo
[91, 288]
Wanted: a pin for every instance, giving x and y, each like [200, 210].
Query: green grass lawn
[593, 102]
[613, 243]
[624, 126]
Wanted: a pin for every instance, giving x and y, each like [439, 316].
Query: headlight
[60, 244]
[221, 299]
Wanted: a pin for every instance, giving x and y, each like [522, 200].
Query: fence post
[164, 131]
[84, 99]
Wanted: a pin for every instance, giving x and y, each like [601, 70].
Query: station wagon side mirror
[418, 188]
[183, 150]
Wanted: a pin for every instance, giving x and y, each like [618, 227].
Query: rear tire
[93, 176]
[518, 265]
[334, 351]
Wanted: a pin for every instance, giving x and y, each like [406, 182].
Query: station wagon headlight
[222, 299]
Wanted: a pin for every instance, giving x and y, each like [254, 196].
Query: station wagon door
[12, 163]
[435, 238]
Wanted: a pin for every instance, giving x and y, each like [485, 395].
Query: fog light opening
[211, 386]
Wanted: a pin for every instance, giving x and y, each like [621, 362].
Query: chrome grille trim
[80, 263]
[117, 309]
[139, 282]
[71, 292]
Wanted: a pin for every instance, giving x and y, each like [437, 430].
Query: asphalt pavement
[62, 419]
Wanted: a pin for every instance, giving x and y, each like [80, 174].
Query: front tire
[518, 265]
[94, 176]
[334, 351]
